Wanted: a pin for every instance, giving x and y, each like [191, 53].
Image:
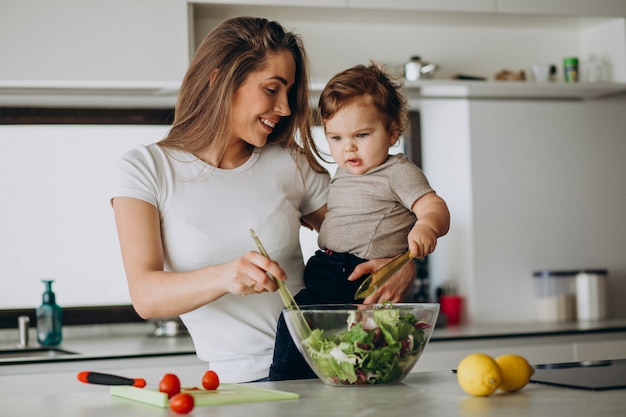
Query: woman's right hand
[249, 274]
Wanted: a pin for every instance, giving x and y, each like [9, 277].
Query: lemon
[516, 372]
[479, 374]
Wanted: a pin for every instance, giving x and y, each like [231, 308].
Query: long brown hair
[229, 53]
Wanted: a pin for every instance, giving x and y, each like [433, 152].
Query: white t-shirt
[206, 216]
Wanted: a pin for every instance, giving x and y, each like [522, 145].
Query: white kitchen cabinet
[297, 3]
[96, 42]
[590, 8]
[446, 355]
[427, 5]
[470, 38]
[611, 346]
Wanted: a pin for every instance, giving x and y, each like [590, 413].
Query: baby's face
[357, 138]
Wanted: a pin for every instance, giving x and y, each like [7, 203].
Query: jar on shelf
[594, 70]
[413, 68]
[591, 303]
[555, 295]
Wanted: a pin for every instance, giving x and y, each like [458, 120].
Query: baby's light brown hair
[366, 82]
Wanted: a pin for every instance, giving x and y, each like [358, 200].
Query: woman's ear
[213, 76]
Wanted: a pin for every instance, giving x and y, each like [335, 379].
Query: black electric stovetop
[592, 375]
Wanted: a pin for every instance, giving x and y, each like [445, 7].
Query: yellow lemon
[516, 372]
[479, 374]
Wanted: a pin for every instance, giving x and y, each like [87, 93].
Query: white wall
[55, 218]
[490, 251]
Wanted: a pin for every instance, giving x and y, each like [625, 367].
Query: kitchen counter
[502, 330]
[128, 341]
[424, 393]
[101, 342]
[51, 388]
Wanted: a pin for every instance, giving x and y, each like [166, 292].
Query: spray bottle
[49, 318]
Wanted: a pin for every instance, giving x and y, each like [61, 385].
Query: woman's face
[357, 137]
[262, 100]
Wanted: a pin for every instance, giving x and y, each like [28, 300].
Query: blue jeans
[325, 283]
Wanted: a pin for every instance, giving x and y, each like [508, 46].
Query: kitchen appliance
[591, 375]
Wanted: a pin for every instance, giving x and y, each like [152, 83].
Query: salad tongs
[290, 304]
[381, 275]
[284, 292]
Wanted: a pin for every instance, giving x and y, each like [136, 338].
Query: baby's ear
[394, 134]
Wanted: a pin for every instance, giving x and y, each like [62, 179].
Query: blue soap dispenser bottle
[49, 318]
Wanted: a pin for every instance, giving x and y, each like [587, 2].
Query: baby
[379, 205]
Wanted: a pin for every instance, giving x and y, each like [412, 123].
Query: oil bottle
[49, 318]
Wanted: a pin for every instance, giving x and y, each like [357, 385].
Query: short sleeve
[135, 176]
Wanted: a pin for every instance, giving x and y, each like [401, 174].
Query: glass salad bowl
[362, 344]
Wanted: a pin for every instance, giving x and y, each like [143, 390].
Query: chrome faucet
[23, 323]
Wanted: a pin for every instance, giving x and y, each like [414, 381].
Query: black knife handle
[98, 378]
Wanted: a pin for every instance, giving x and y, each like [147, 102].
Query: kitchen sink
[33, 353]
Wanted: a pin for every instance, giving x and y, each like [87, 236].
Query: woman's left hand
[395, 289]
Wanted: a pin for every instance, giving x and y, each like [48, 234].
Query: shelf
[99, 94]
[503, 90]
[512, 90]
[163, 95]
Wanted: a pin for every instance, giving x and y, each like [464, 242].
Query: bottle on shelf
[594, 70]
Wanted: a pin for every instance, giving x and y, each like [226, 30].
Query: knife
[98, 378]
[381, 275]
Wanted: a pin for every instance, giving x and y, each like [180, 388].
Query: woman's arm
[314, 220]
[156, 293]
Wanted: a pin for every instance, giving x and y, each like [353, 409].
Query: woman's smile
[263, 99]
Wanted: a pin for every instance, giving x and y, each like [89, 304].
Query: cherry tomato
[210, 380]
[170, 384]
[182, 403]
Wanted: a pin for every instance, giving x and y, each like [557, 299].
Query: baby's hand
[422, 240]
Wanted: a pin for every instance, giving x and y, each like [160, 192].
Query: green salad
[376, 348]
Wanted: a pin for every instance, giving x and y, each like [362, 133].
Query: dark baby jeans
[325, 283]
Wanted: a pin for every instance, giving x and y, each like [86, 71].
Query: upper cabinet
[72, 49]
[468, 37]
[588, 8]
[426, 5]
[135, 53]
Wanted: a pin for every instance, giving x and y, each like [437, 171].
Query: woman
[230, 163]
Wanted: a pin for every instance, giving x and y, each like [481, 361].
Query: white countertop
[51, 388]
[423, 394]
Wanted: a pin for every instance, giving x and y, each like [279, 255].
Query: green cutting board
[225, 394]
